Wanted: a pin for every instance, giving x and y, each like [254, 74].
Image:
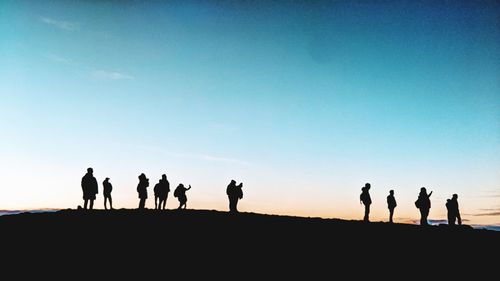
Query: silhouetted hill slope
[125, 243]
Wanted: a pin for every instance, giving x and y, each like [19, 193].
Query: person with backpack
[234, 193]
[142, 190]
[89, 188]
[162, 188]
[453, 212]
[391, 204]
[107, 188]
[180, 193]
[366, 200]
[423, 203]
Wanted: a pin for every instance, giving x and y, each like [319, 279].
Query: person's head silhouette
[423, 190]
[90, 170]
[107, 179]
[164, 177]
[233, 182]
[142, 176]
[367, 186]
[391, 192]
[455, 196]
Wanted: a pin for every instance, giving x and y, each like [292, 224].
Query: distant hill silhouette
[208, 244]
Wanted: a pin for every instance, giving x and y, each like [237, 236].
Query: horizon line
[433, 222]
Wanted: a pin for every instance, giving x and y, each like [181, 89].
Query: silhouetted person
[453, 212]
[234, 193]
[423, 203]
[107, 188]
[89, 188]
[142, 190]
[162, 188]
[366, 200]
[156, 190]
[391, 204]
[180, 193]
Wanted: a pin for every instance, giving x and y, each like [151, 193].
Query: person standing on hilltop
[156, 191]
[391, 204]
[180, 193]
[453, 212]
[366, 200]
[234, 193]
[423, 203]
[107, 188]
[89, 188]
[162, 188]
[142, 190]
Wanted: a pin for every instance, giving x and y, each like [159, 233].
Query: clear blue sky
[303, 101]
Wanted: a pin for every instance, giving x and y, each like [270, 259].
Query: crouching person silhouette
[180, 193]
[89, 188]
[234, 193]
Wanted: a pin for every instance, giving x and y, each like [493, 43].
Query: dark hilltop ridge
[122, 243]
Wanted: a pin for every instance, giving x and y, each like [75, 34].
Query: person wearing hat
[107, 188]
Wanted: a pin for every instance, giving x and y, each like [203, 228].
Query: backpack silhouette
[362, 197]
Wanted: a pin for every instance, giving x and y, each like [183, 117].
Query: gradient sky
[303, 101]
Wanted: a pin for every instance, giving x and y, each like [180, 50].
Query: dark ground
[216, 245]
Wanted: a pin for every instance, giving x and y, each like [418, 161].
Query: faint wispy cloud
[489, 194]
[208, 158]
[56, 58]
[487, 214]
[205, 157]
[484, 212]
[490, 209]
[65, 25]
[110, 75]
[222, 159]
